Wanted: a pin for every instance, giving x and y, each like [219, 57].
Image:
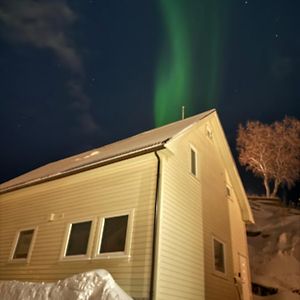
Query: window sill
[220, 275]
[112, 256]
[23, 261]
[75, 258]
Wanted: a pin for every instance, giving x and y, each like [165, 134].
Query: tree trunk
[275, 189]
[266, 184]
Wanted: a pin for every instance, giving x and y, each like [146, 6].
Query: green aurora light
[188, 70]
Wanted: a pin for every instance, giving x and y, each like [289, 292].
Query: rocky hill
[274, 250]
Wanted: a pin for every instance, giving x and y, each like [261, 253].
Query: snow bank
[274, 249]
[286, 295]
[92, 285]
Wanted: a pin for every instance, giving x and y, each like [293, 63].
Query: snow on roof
[144, 142]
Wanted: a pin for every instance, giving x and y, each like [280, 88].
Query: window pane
[193, 162]
[79, 238]
[23, 244]
[114, 234]
[219, 256]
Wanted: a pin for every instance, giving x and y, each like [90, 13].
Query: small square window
[78, 238]
[219, 256]
[193, 162]
[209, 132]
[114, 234]
[228, 191]
[23, 244]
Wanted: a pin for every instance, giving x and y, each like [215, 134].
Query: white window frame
[193, 148]
[217, 272]
[119, 254]
[63, 256]
[15, 243]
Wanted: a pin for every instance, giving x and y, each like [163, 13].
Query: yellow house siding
[215, 218]
[180, 264]
[192, 212]
[239, 240]
[125, 186]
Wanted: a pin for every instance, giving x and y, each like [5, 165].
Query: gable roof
[141, 143]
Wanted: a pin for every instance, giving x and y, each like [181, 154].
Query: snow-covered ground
[93, 285]
[274, 249]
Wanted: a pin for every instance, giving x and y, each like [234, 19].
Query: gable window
[209, 132]
[115, 235]
[78, 239]
[228, 191]
[193, 161]
[219, 256]
[23, 244]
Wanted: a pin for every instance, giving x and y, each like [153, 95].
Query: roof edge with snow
[142, 143]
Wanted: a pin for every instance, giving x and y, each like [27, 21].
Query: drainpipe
[155, 227]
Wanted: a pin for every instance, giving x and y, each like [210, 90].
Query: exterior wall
[192, 211]
[236, 215]
[122, 186]
[239, 242]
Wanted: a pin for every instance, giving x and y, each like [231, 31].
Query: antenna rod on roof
[182, 112]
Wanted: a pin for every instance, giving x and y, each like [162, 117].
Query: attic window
[228, 191]
[78, 239]
[219, 256]
[209, 132]
[23, 244]
[115, 235]
[193, 161]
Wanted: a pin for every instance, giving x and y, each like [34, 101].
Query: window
[193, 162]
[23, 245]
[219, 256]
[228, 186]
[209, 132]
[228, 191]
[115, 236]
[78, 237]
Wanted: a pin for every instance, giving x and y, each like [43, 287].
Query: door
[244, 276]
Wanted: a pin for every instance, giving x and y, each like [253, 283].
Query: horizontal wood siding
[192, 211]
[216, 219]
[181, 254]
[123, 186]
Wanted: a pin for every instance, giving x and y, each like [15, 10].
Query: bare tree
[271, 152]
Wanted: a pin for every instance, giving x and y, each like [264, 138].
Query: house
[163, 211]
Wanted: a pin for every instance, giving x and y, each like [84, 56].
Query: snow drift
[92, 285]
[274, 248]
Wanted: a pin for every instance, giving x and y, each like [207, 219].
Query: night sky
[76, 74]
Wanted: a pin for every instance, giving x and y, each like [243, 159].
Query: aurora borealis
[76, 75]
[174, 70]
[188, 68]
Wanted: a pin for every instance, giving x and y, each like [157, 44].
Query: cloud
[45, 24]
[82, 105]
[42, 24]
